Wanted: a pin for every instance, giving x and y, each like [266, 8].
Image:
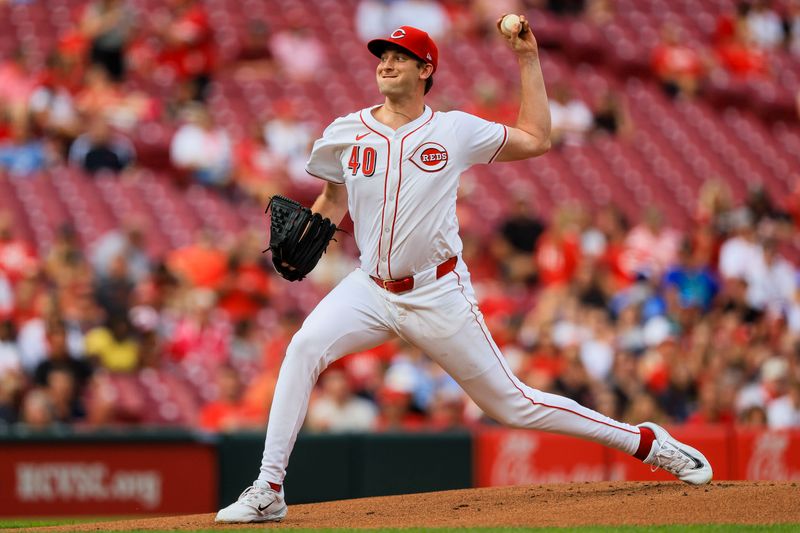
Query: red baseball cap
[413, 40]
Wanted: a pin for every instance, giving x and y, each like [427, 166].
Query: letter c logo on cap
[399, 33]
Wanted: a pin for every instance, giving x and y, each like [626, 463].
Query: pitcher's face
[398, 73]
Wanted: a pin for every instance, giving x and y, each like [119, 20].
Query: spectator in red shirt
[29, 300]
[545, 363]
[678, 66]
[395, 411]
[557, 254]
[201, 264]
[5, 123]
[228, 412]
[246, 288]
[203, 333]
[17, 258]
[188, 49]
[738, 54]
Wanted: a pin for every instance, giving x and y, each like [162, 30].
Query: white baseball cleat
[680, 460]
[255, 504]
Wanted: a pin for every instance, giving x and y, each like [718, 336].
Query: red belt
[407, 283]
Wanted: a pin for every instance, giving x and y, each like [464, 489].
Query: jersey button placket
[390, 204]
[395, 148]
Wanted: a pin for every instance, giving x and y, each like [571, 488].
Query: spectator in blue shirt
[692, 278]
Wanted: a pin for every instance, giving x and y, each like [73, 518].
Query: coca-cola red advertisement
[69, 479]
[519, 457]
[768, 455]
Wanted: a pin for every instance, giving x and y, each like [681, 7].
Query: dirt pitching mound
[574, 504]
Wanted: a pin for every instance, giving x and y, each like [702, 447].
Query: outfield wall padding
[334, 467]
[142, 471]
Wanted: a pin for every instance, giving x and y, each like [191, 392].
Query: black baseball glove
[298, 237]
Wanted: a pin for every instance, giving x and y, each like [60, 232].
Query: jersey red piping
[385, 181]
[502, 144]
[397, 193]
[534, 402]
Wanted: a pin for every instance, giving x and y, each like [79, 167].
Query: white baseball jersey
[402, 184]
[402, 197]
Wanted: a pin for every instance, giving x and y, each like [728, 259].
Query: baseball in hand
[510, 24]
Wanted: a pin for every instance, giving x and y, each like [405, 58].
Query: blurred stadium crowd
[647, 267]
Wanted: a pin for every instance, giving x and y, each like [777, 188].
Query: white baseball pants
[441, 318]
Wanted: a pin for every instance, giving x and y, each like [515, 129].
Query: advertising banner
[768, 455]
[520, 457]
[69, 479]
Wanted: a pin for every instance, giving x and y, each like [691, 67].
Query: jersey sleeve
[480, 140]
[325, 161]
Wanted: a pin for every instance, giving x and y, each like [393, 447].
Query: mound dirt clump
[575, 504]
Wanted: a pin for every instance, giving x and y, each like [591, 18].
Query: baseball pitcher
[395, 167]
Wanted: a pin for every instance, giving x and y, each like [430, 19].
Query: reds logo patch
[399, 33]
[430, 157]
